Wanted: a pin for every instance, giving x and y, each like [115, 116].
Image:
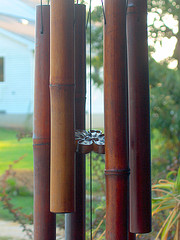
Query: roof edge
[18, 38]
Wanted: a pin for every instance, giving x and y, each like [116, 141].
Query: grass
[11, 149]
[25, 203]
[5, 238]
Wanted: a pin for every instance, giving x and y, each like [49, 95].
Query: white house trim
[17, 8]
[26, 42]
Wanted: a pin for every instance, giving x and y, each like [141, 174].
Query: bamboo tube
[132, 236]
[116, 129]
[62, 106]
[44, 220]
[75, 222]
[139, 123]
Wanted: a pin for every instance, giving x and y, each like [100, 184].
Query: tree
[164, 82]
[97, 45]
[160, 28]
[165, 106]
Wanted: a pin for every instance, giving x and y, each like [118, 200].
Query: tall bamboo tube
[44, 220]
[116, 132]
[76, 222]
[139, 123]
[132, 236]
[62, 106]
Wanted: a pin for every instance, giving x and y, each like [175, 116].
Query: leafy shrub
[166, 200]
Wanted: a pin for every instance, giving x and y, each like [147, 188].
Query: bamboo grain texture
[139, 118]
[116, 126]
[75, 223]
[44, 220]
[62, 94]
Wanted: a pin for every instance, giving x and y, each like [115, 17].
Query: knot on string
[104, 15]
[42, 18]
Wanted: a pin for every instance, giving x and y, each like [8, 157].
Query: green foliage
[160, 27]
[165, 106]
[5, 238]
[161, 8]
[166, 199]
[25, 203]
[82, 2]
[8, 188]
[97, 45]
[98, 196]
[11, 149]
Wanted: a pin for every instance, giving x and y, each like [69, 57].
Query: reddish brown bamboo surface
[44, 221]
[139, 140]
[62, 106]
[76, 222]
[132, 236]
[116, 134]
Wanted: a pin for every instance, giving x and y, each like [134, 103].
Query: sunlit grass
[24, 203]
[11, 149]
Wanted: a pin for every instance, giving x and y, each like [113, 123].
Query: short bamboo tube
[62, 192]
[139, 118]
[116, 122]
[76, 222]
[44, 220]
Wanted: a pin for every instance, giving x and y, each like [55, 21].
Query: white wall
[16, 93]
[17, 8]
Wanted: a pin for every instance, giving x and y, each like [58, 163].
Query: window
[1, 69]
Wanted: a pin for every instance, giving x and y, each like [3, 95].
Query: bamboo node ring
[121, 172]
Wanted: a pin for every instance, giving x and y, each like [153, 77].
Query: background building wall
[16, 92]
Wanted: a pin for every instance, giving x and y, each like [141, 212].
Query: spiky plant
[166, 199]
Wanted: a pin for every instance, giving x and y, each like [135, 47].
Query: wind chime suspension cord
[104, 15]
[90, 115]
[127, 4]
[41, 18]
[87, 19]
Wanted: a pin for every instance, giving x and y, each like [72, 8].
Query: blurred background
[17, 45]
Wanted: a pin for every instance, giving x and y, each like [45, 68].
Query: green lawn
[11, 149]
[25, 203]
[5, 238]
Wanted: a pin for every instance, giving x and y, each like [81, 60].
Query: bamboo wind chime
[59, 137]
[44, 220]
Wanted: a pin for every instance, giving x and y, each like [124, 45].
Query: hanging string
[127, 5]
[90, 115]
[104, 15]
[41, 19]
[90, 28]
[87, 19]
[103, 11]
